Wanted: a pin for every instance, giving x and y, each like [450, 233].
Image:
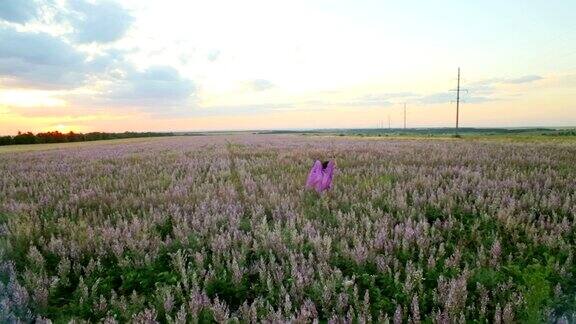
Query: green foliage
[384, 292]
[58, 137]
[536, 292]
[165, 229]
[234, 294]
[433, 213]
[487, 277]
[315, 208]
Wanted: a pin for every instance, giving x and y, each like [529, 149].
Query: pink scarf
[320, 176]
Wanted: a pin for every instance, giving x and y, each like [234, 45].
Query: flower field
[221, 228]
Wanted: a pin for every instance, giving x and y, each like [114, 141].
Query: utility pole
[404, 116]
[458, 100]
[389, 122]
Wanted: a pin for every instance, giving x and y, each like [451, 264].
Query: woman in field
[320, 176]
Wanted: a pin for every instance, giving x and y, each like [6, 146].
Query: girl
[320, 176]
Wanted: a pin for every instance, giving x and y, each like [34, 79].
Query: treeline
[58, 137]
[563, 133]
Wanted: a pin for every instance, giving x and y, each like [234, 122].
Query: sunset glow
[173, 65]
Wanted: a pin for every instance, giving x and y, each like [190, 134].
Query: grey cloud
[92, 22]
[39, 59]
[436, 98]
[100, 22]
[448, 97]
[42, 61]
[387, 99]
[37, 48]
[479, 91]
[519, 80]
[478, 99]
[524, 79]
[111, 59]
[157, 85]
[18, 11]
[482, 89]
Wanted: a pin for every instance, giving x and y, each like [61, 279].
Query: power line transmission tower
[389, 122]
[458, 90]
[404, 115]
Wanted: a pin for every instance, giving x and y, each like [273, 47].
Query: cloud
[157, 85]
[39, 60]
[523, 79]
[18, 11]
[437, 98]
[106, 80]
[42, 61]
[478, 92]
[519, 80]
[213, 55]
[91, 22]
[477, 99]
[482, 89]
[100, 22]
[37, 48]
[448, 97]
[260, 85]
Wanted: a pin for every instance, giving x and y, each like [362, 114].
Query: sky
[144, 65]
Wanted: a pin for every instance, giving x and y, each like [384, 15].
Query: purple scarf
[320, 176]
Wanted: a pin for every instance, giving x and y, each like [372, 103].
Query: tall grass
[205, 229]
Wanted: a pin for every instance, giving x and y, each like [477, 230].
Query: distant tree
[74, 137]
[24, 138]
[5, 140]
[58, 137]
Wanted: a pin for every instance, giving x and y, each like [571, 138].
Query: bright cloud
[226, 62]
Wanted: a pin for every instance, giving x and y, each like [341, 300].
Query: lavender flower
[190, 229]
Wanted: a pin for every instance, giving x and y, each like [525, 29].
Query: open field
[498, 134]
[53, 146]
[220, 228]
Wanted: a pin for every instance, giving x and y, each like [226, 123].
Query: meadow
[220, 229]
